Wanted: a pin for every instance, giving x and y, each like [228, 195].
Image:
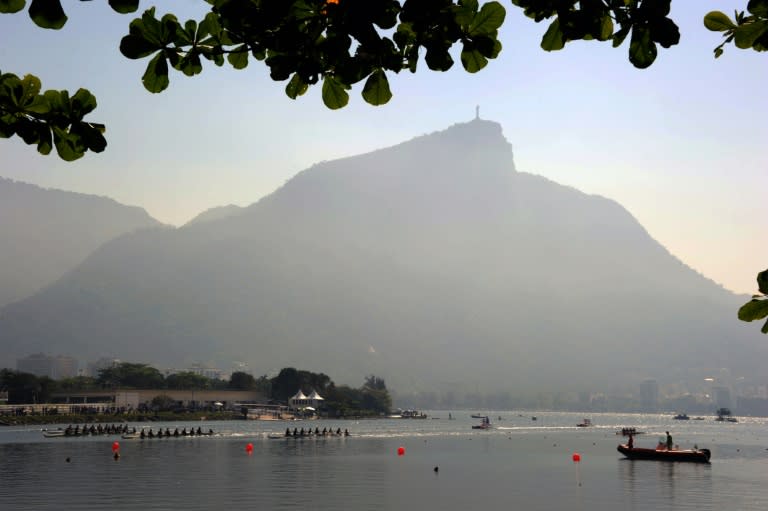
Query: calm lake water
[521, 464]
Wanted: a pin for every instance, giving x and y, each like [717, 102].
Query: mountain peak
[477, 143]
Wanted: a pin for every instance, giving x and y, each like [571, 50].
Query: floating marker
[401, 451]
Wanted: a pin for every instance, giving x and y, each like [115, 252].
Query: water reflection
[665, 485]
[501, 469]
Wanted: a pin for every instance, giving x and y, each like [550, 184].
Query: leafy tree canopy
[336, 44]
[25, 388]
[187, 380]
[242, 381]
[130, 375]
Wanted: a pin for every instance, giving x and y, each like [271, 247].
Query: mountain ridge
[59, 230]
[433, 263]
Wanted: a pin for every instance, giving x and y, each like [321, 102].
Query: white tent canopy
[315, 396]
[299, 395]
[311, 402]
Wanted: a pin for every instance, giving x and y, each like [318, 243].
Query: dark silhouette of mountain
[433, 263]
[46, 233]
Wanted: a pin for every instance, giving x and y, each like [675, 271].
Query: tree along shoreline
[371, 399]
[106, 418]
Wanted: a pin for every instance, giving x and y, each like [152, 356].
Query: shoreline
[42, 420]
[39, 420]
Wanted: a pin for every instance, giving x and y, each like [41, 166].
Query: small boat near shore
[689, 455]
[53, 433]
[485, 423]
[586, 423]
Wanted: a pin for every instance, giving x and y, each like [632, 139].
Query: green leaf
[606, 28]
[754, 309]
[58, 100]
[190, 64]
[472, 60]
[748, 33]
[376, 89]
[45, 143]
[7, 126]
[488, 20]
[665, 32]
[47, 14]
[30, 86]
[209, 25]
[83, 103]
[296, 87]
[334, 95]
[762, 282]
[239, 57]
[438, 59]
[758, 8]
[642, 50]
[136, 47]
[11, 6]
[39, 106]
[487, 46]
[124, 6]
[620, 35]
[716, 21]
[553, 38]
[68, 146]
[91, 135]
[155, 79]
[27, 130]
[465, 13]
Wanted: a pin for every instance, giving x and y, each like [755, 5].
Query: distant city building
[649, 395]
[208, 372]
[63, 367]
[40, 364]
[722, 397]
[93, 368]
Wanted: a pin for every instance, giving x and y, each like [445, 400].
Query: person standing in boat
[669, 441]
[631, 441]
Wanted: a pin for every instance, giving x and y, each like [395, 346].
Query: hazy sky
[681, 145]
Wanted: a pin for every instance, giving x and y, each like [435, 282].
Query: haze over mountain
[46, 233]
[433, 263]
[216, 214]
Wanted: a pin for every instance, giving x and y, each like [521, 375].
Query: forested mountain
[46, 233]
[433, 263]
